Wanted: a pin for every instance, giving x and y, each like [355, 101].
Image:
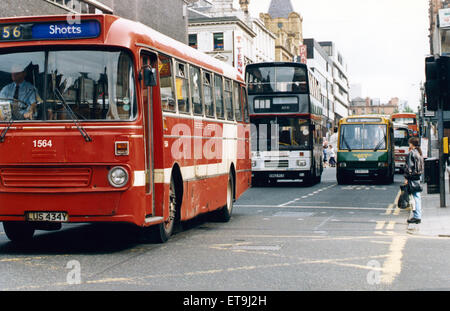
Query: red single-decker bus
[108, 120]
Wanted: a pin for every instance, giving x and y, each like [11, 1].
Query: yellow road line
[393, 264]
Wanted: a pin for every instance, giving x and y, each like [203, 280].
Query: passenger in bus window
[22, 94]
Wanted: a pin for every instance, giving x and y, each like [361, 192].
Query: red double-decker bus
[103, 119]
[409, 119]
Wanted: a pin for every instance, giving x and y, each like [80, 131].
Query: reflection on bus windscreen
[401, 137]
[363, 137]
[281, 133]
[264, 80]
[95, 85]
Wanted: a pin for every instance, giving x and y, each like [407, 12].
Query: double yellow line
[391, 210]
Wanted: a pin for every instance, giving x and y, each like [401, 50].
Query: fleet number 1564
[42, 143]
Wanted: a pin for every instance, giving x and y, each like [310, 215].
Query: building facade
[226, 38]
[367, 106]
[286, 24]
[341, 86]
[166, 16]
[229, 34]
[322, 65]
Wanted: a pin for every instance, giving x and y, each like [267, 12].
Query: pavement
[435, 219]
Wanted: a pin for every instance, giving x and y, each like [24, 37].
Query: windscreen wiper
[346, 143]
[80, 128]
[10, 122]
[379, 144]
[5, 130]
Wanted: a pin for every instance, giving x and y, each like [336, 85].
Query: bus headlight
[383, 164]
[301, 163]
[342, 164]
[118, 177]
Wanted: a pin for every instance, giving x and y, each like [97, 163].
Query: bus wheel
[224, 214]
[341, 178]
[162, 232]
[18, 231]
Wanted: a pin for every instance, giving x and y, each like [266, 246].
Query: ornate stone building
[227, 32]
[287, 26]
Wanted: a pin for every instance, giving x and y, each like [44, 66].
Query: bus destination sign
[60, 30]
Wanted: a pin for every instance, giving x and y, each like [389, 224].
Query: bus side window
[208, 94]
[237, 102]
[218, 94]
[245, 104]
[182, 86]
[166, 83]
[196, 92]
[229, 100]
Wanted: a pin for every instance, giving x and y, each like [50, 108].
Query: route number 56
[9, 32]
[42, 143]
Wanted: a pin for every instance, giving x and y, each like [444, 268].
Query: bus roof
[277, 64]
[404, 114]
[365, 119]
[121, 32]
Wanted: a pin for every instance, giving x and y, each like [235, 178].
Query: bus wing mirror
[149, 76]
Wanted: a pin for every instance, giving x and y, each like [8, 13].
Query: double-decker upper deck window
[165, 77]
[228, 98]
[207, 89]
[218, 41]
[182, 88]
[218, 94]
[81, 84]
[196, 92]
[263, 80]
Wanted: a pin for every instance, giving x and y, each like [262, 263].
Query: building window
[193, 41]
[218, 41]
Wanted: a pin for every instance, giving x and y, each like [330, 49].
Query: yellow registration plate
[47, 216]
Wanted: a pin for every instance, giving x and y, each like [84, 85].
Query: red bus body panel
[71, 175]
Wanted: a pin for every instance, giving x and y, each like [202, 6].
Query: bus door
[148, 60]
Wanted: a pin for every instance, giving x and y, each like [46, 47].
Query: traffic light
[437, 85]
[432, 83]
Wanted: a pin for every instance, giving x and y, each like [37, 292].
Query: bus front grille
[276, 163]
[31, 177]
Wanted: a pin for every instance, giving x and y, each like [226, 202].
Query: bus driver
[22, 92]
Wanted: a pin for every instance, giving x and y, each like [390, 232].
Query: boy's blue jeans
[417, 213]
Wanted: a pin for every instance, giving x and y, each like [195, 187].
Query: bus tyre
[161, 233]
[224, 214]
[341, 179]
[18, 231]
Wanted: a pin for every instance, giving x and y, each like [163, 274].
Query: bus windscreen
[95, 84]
[401, 137]
[266, 80]
[281, 133]
[363, 137]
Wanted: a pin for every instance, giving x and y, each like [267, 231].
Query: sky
[383, 42]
